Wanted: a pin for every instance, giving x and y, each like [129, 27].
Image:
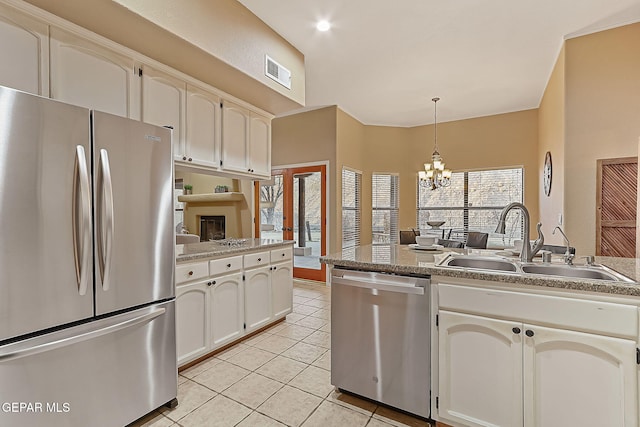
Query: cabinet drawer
[283, 254]
[564, 312]
[256, 260]
[191, 271]
[225, 265]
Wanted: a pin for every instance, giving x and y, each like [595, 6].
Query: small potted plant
[188, 188]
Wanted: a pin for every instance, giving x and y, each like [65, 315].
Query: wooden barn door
[617, 186]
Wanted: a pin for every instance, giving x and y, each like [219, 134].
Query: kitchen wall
[219, 42]
[551, 137]
[238, 214]
[503, 140]
[602, 118]
[310, 137]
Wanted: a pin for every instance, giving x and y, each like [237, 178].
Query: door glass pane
[307, 204]
[271, 208]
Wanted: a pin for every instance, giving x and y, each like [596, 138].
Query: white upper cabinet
[246, 141]
[260, 145]
[235, 138]
[86, 74]
[163, 103]
[62, 61]
[204, 121]
[24, 47]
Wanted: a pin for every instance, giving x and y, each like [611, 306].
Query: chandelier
[434, 174]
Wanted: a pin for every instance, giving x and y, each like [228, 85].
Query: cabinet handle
[274, 268]
[209, 283]
[213, 283]
[190, 273]
[184, 157]
[228, 265]
[529, 333]
[516, 330]
[190, 159]
[259, 259]
[283, 254]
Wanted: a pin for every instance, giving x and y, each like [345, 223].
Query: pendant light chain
[435, 121]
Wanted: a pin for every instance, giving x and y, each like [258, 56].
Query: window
[384, 206]
[351, 189]
[473, 202]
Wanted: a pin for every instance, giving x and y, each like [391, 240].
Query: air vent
[277, 72]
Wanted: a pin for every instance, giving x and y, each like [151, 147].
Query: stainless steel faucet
[568, 256]
[527, 253]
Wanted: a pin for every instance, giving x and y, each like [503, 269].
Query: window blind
[351, 196]
[384, 208]
[473, 202]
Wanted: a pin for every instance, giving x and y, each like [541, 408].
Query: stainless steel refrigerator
[87, 323]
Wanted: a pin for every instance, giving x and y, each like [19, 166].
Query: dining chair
[447, 243]
[477, 240]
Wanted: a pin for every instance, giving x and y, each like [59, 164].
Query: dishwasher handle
[380, 281]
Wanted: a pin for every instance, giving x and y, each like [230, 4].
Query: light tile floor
[281, 376]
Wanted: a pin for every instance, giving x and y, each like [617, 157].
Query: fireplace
[212, 228]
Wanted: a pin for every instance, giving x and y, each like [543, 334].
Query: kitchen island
[229, 290]
[512, 348]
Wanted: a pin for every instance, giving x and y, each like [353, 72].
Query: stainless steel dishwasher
[380, 338]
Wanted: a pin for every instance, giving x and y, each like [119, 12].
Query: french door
[292, 206]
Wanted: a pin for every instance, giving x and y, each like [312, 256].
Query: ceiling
[383, 61]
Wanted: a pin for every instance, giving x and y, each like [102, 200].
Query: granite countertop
[202, 250]
[402, 259]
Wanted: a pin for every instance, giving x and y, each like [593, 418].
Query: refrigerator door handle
[63, 342]
[105, 219]
[81, 220]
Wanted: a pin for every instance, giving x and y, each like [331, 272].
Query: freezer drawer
[380, 338]
[105, 373]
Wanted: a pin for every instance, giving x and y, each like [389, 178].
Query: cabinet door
[24, 47]
[86, 74]
[282, 289]
[480, 371]
[192, 321]
[163, 103]
[257, 298]
[571, 377]
[227, 317]
[235, 138]
[260, 146]
[202, 146]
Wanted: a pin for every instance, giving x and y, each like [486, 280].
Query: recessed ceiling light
[323, 26]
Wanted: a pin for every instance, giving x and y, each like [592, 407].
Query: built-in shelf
[211, 197]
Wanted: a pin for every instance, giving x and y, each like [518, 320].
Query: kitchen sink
[479, 263]
[597, 272]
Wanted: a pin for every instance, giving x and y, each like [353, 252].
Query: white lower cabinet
[480, 372]
[257, 299]
[227, 309]
[192, 321]
[572, 378]
[496, 372]
[281, 289]
[222, 300]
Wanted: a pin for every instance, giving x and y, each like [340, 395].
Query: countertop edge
[614, 288]
[221, 251]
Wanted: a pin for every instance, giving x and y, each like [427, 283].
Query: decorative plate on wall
[547, 173]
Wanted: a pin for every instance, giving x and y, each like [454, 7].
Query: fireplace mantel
[212, 197]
